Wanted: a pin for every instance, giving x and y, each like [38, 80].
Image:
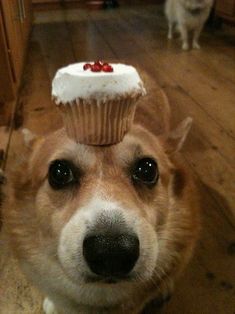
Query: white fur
[74, 232]
[178, 14]
[48, 307]
[28, 137]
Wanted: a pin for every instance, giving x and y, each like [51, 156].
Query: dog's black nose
[111, 255]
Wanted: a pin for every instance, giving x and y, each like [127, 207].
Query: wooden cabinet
[226, 9]
[26, 25]
[6, 73]
[15, 20]
[52, 1]
[45, 1]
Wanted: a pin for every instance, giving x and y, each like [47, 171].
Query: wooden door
[226, 7]
[13, 19]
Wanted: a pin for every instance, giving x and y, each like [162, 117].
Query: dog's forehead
[137, 142]
[58, 146]
[81, 154]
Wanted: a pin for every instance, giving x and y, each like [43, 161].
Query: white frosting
[73, 82]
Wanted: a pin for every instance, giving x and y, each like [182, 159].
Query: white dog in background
[187, 16]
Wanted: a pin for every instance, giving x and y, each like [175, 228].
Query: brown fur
[35, 215]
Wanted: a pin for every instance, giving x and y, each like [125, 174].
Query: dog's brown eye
[146, 171]
[61, 174]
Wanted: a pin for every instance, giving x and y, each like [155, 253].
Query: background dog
[187, 16]
[103, 229]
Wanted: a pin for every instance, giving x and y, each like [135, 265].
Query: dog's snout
[111, 255]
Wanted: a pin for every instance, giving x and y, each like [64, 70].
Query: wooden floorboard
[198, 83]
[187, 71]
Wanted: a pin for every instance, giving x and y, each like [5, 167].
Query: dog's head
[99, 223]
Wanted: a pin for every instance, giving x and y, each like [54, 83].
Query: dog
[103, 229]
[188, 16]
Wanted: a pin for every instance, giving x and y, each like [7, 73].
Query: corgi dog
[188, 16]
[103, 229]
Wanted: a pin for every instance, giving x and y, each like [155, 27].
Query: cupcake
[97, 100]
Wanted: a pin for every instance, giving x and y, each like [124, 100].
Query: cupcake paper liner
[98, 123]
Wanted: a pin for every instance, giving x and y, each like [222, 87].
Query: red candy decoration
[99, 63]
[107, 68]
[98, 66]
[87, 66]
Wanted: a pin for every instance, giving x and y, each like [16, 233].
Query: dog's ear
[175, 139]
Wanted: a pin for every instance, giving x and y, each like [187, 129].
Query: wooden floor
[200, 84]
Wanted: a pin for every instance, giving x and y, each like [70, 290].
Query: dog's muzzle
[111, 255]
